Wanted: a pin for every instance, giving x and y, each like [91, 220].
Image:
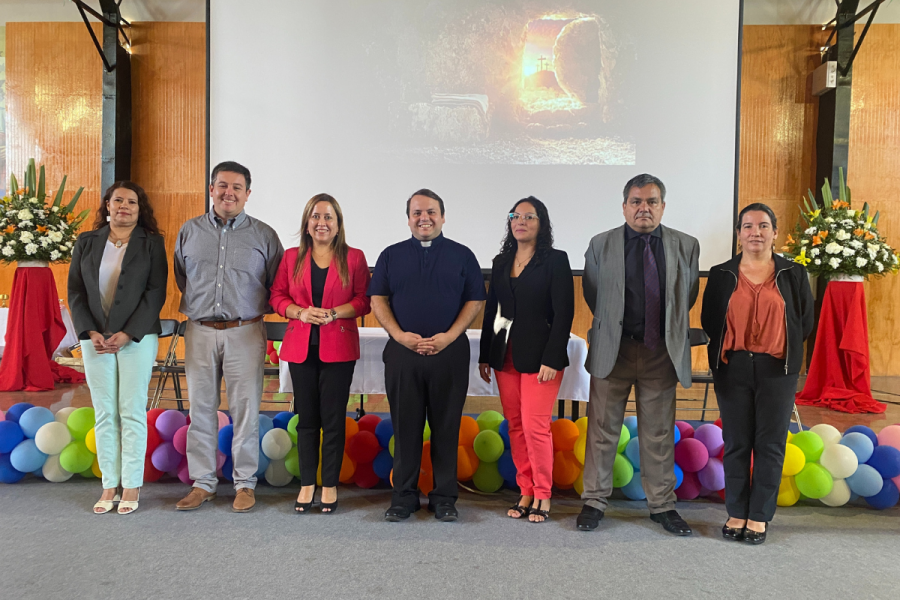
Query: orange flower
[10, 229]
[858, 232]
[70, 217]
[20, 191]
[41, 229]
[823, 234]
[789, 240]
[816, 240]
[870, 235]
[836, 204]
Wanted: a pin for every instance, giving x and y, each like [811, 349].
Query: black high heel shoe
[733, 534]
[329, 507]
[304, 507]
[755, 537]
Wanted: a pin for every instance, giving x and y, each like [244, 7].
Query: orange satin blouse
[755, 319]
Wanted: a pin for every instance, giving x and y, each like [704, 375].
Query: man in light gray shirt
[225, 263]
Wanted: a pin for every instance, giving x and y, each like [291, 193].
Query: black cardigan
[140, 293]
[793, 283]
[542, 309]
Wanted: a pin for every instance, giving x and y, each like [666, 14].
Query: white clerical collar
[425, 244]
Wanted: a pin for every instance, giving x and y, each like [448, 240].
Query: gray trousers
[237, 354]
[653, 376]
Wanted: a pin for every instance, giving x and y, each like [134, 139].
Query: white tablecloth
[69, 340]
[368, 377]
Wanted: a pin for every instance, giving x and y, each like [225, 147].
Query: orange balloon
[566, 469]
[426, 456]
[348, 469]
[466, 463]
[565, 433]
[351, 429]
[468, 429]
[392, 478]
[426, 481]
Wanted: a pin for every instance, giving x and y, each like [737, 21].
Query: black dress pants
[321, 392]
[756, 399]
[420, 387]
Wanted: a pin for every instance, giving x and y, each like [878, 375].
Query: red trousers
[528, 406]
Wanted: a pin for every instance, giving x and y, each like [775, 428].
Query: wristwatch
[333, 315]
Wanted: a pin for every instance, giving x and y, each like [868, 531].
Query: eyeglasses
[528, 217]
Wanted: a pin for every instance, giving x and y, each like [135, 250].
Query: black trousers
[321, 393]
[756, 400]
[420, 387]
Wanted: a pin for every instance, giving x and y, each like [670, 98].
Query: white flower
[847, 223]
[814, 252]
[54, 255]
[810, 231]
[31, 249]
[833, 225]
[34, 200]
[7, 251]
[63, 248]
[45, 241]
[879, 266]
[818, 261]
[849, 252]
[55, 209]
[856, 244]
[861, 262]
[55, 237]
[834, 248]
[11, 243]
[25, 215]
[25, 224]
[894, 259]
[69, 244]
[835, 263]
[842, 235]
[26, 236]
[829, 220]
[40, 214]
[804, 242]
[884, 254]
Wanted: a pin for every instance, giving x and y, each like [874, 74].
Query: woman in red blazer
[321, 287]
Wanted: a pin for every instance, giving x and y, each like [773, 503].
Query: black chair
[171, 366]
[698, 337]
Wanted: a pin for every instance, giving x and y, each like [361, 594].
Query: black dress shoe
[732, 534]
[755, 537]
[444, 511]
[672, 522]
[398, 513]
[589, 519]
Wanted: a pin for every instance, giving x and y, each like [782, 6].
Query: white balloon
[839, 460]
[839, 494]
[277, 474]
[53, 472]
[276, 444]
[51, 438]
[62, 414]
[829, 434]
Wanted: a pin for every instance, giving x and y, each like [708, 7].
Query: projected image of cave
[510, 84]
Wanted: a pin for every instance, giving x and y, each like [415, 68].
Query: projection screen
[484, 102]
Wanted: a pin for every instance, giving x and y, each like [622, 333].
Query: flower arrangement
[837, 240]
[33, 230]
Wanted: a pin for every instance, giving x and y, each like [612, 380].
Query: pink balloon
[711, 436]
[179, 440]
[896, 481]
[183, 474]
[223, 419]
[889, 436]
[689, 488]
[2, 415]
[691, 455]
[220, 460]
[712, 476]
[685, 429]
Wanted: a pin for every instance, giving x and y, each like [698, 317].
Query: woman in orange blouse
[757, 312]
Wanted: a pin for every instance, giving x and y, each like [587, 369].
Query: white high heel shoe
[106, 505]
[126, 507]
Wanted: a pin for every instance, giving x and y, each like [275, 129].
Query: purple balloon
[712, 476]
[168, 423]
[711, 436]
[165, 457]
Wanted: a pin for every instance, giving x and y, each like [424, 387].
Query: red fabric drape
[838, 376]
[33, 332]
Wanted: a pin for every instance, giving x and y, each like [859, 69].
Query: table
[69, 340]
[368, 377]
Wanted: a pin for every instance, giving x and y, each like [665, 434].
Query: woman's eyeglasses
[527, 217]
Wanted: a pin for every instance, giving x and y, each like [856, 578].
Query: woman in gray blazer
[117, 287]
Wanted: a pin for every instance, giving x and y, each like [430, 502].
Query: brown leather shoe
[196, 498]
[244, 501]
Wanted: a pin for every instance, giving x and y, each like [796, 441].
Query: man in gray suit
[640, 281]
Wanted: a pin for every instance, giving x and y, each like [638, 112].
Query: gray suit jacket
[604, 292]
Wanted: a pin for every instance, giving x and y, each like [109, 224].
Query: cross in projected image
[541, 63]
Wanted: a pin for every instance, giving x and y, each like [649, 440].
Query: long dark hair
[544, 241]
[145, 211]
[338, 244]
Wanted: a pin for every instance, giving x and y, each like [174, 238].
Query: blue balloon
[8, 473]
[865, 482]
[226, 436]
[885, 460]
[677, 435]
[886, 498]
[228, 469]
[633, 454]
[631, 425]
[282, 419]
[263, 465]
[506, 467]
[26, 457]
[504, 433]
[10, 436]
[634, 489]
[384, 431]
[383, 463]
[266, 424]
[16, 411]
[866, 431]
[679, 476]
[33, 419]
[861, 445]
[39, 473]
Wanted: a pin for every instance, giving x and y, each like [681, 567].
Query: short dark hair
[760, 207]
[428, 194]
[643, 180]
[230, 166]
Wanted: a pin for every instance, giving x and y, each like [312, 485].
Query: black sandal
[540, 513]
[327, 508]
[304, 507]
[523, 511]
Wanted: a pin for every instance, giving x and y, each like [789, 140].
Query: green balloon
[89, 474]
[623, 471]
[624, 438]
[292, 429]
[391, 446]
[427, 434]
[488, 446]
[76, 458]
[489, 419]
[487, 478]
[292, 462]
[814, 481]
[80, 422]
[811, 444]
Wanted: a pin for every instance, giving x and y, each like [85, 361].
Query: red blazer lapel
[331, 279]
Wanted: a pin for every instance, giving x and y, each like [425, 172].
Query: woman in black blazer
[117, 286]
[527, 320]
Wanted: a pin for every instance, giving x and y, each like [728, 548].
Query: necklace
[519, 264]
[119, 243]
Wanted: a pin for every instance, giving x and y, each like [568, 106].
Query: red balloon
[363, 447]
[686, 430]
[718, 423]
[151, 473]
[152, 416]
[721, 494]
[368, 423]
[689, 488]
[691, 455]
[153, 439]
[365, 476]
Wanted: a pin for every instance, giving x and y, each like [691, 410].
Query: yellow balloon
[579, 484]
[794, 461]
[95, 466]
[789, 436]
[582, 424]
[579, 448]
[788, 492]
[90, 440]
